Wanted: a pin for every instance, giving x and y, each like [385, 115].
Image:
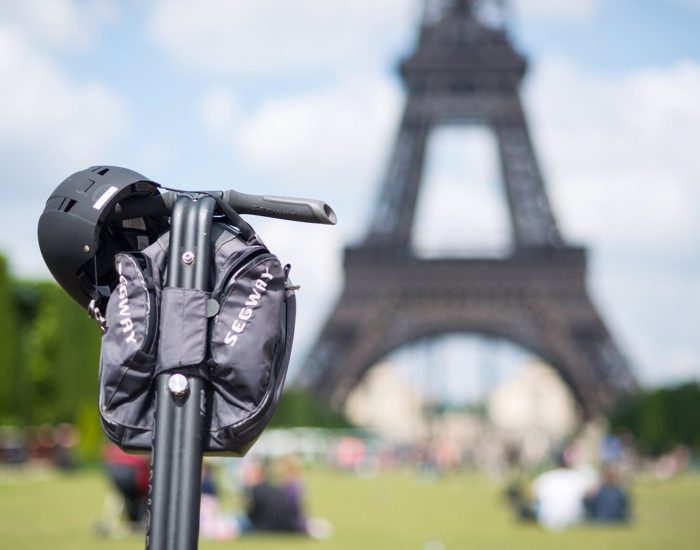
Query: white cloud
[51, 126]
[329, 143]
[620, 154]
[458, 219]
[217, 111]
[266, 36]
[334, 130]
[620, 160]
[463, 208]
[561, 9]
[66, 24]
[154, 156]
[44, 111]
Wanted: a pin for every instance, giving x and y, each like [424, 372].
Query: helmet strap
[100, 296]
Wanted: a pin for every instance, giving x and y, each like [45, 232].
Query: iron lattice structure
[465, 71]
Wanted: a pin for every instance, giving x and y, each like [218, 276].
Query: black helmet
[77, 241]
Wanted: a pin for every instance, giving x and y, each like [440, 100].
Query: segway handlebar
[286, 208]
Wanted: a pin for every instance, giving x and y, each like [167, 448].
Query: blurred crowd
[568, 494]
[270, 497]
[555, 484]
[44, 445]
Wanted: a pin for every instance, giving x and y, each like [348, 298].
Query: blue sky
[301, 97]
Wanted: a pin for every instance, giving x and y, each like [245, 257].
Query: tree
[9, 348]
[61, 357]
[661, 419]
[299, 408]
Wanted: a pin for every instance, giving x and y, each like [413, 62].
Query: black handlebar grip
[287, 208]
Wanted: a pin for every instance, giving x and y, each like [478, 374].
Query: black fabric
[244, 335]
[183, 328]
[270, 508]
[127, 357]
[242, 352]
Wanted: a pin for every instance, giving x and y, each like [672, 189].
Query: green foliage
[298, 408]
[91, 436]
[41, 347]
[9, 347]
[49, 353]
[661, 419]
[62, 354]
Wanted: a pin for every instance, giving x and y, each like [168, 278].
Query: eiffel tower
[464, 71]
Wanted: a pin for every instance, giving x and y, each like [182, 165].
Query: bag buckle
[95, 314]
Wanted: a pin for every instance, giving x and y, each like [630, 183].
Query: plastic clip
[95, 314]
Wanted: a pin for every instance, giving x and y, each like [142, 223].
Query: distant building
[389, 405]
[534, 403]
[531, 410]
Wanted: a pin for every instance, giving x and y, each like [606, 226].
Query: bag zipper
[235, 268]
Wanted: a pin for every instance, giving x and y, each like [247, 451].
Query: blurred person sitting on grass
[609, 503]
[269, 507]
[279, 507]
[128, 474]
[559, 496]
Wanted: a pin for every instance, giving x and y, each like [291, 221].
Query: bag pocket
[248, 341]
[183, 328]
[238, 438]
[127, 356]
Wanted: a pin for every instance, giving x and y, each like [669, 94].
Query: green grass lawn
[42, 510]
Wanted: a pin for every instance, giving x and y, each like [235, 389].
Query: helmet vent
[69, 205]
[103, 171]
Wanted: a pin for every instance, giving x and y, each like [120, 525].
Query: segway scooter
[107, 212]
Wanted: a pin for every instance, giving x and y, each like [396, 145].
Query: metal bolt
[86, 248]
[178, 384]
[188, 257]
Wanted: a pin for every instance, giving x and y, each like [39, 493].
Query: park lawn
[41, 510]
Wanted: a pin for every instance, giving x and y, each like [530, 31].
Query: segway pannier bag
[238, 337]
[128, 353]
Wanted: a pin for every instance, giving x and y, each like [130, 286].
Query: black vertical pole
[176, 465]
